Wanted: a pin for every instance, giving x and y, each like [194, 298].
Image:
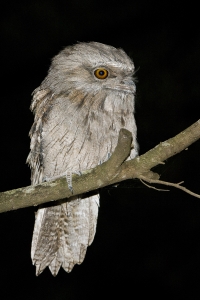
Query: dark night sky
[147, 242]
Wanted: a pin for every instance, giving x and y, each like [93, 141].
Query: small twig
[176, 185]
[180, 182]
[161, 163]
[153, 187]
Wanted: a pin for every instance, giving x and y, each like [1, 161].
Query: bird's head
[88, 75]
[91, 67]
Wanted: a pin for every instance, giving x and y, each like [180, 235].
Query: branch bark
[114, 170]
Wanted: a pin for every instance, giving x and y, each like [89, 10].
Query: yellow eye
[101, 73]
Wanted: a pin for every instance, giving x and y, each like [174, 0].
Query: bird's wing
[63, 232]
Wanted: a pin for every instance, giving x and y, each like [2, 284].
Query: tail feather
[45, 237]
[94, 209]
[62, 234]
[54, 267]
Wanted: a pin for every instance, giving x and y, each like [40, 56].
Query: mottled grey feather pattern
[76, 127]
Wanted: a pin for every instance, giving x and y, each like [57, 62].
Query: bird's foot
[69, 178]
[68, 175]
[102, 161]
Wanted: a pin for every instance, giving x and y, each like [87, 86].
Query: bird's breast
[76, 138]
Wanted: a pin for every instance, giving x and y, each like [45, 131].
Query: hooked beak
[126, 85]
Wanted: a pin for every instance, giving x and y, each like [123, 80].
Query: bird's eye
[101, 73]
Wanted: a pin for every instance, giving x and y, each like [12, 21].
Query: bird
[79, 108]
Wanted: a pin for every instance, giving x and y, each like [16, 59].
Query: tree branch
[176, 185]
[114, 170]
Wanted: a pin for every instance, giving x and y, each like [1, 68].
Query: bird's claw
[69, 179]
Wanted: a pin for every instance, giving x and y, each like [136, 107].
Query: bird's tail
[62, 234]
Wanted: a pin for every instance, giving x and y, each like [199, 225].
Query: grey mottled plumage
[77, 120]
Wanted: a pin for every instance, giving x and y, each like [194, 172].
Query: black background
[147, 242]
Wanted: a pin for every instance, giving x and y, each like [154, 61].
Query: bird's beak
[126, 85]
